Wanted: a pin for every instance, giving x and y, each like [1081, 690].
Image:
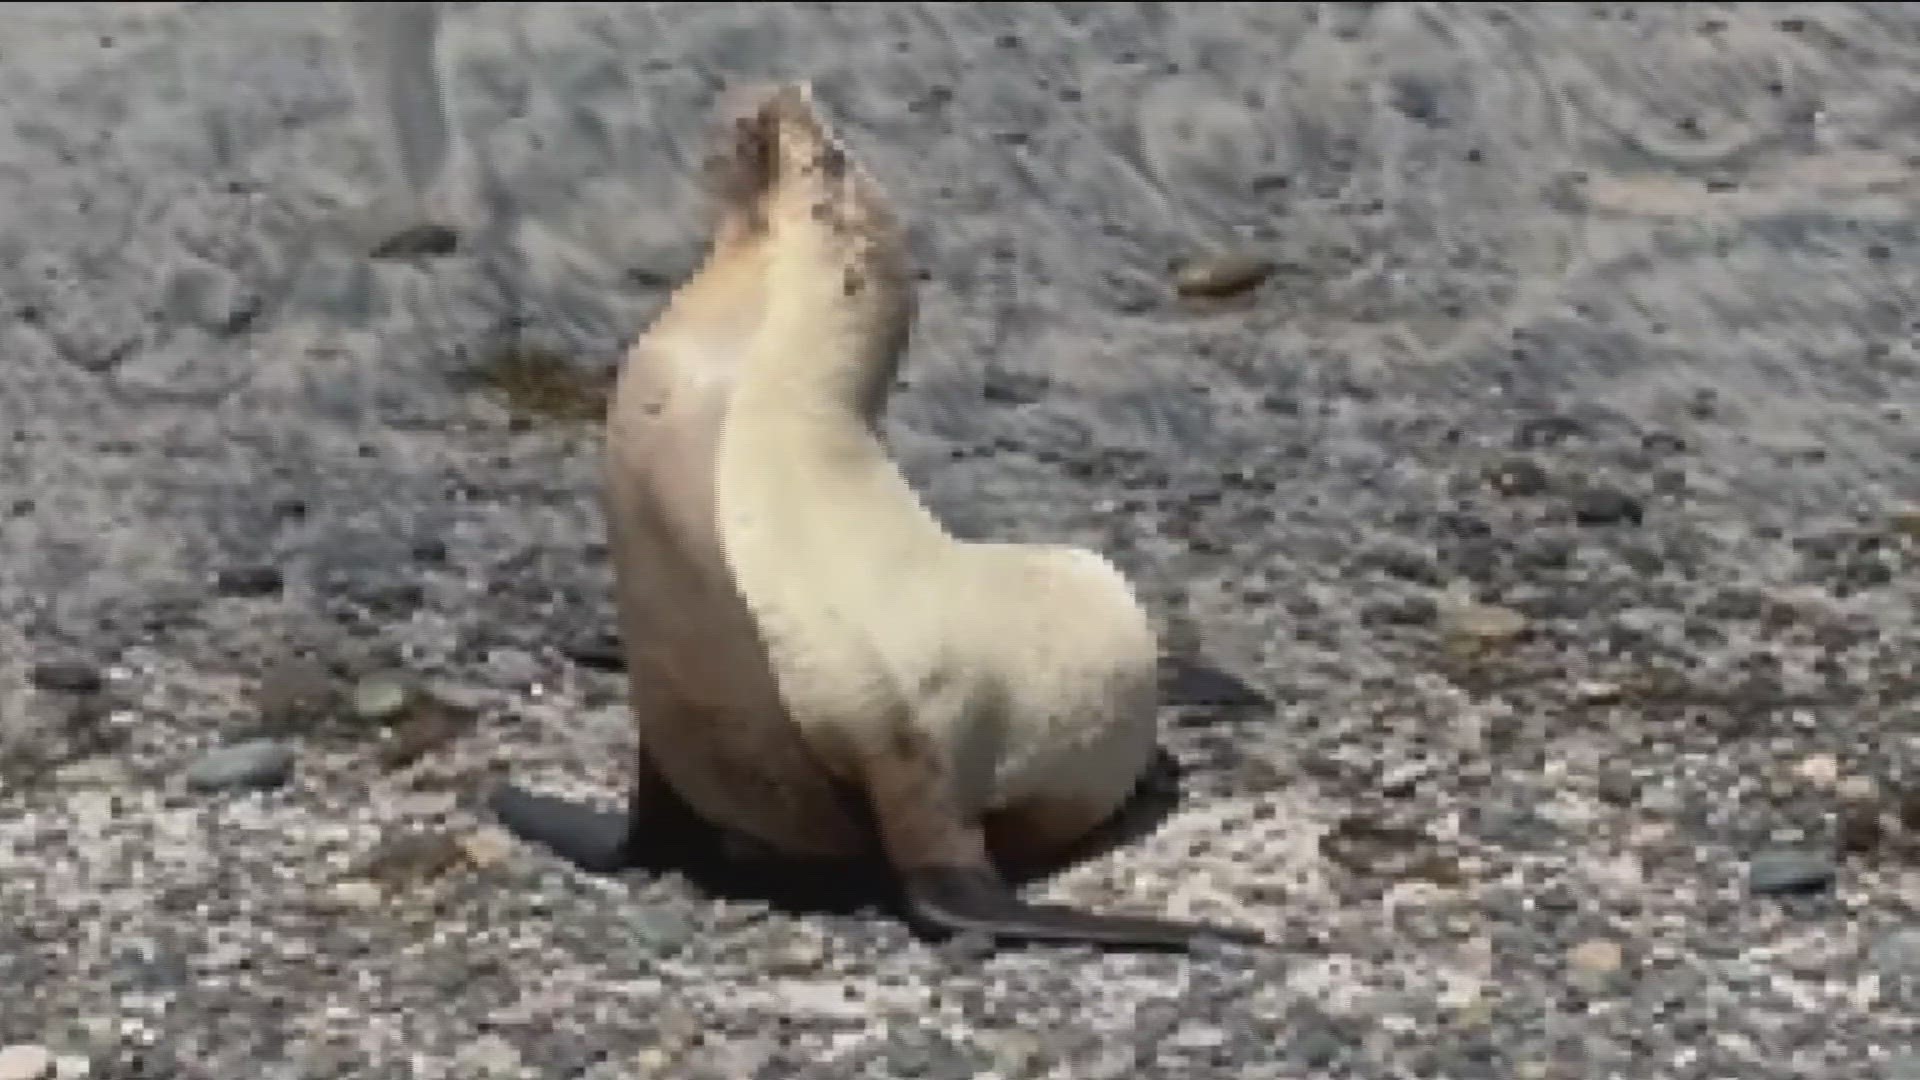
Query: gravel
[1538, 455]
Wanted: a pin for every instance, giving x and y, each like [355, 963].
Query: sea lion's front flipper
[954, 900]
[656, 830]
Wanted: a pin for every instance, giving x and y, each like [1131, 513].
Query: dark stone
[1550, 430]
[1401, 562]
[1012, 388]
[1518, 478]
[1790, 872]
[601, 652]
[1607, 506]
[251, 580]
[419, 241]
[67, 677]
[1186, 681]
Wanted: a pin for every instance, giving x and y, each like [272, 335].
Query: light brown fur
[703, 695]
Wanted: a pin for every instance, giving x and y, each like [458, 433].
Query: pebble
[425, 240]
[256, 763]
[25, 1061]
[666, 931]
[490, 1055]
[408, 859]
[68, 677]
[72, 1067]
[1906, 522]
[378, 699]
[1221, 275]
[248, 581]
[1597, 692]
[1518, 478]
[295, 693]
[1820, 770]
[1605, 506]
[356, 894]
[1473, 625]
[1857, 789]
[487, 846]
[1897, 955]
[1783, 871]
[1014, 1052]
[1596, 958]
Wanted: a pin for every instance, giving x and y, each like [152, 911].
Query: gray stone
[257, 763]
[664, 930]
[380, 698]
[1790, 871]
[1897, 954]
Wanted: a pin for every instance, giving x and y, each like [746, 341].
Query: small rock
[512, 667]
[1596, 692]
[487, 846]
[1012, 388]
[432, 724]
[295, 694]
[1897, 955]
[67, 677]
[25, 1061]
[1015, 1052]
[1471, 626]
[1857, 789]
[1858, 830]
[411, 859]
[356, 894]
[801, 956]
[419, 241]
[1221, 275]
[1619, 787]
[257, 763]
[72, 1067]
[1185, 681]
[248, 581]
[1606, 506]
[1790, 871]
[1820, 770]
[601, 652]
[652, 1064]
[1906, 522]
[666, 931]
[1551, 429]
[378, 699]
[1597, 958]
[1518, 478]
[489, 1055]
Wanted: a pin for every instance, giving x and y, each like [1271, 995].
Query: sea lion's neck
[802, 429]
[833, 334]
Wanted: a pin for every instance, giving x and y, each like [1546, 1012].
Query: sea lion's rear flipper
[952, 900]
[657, 829]
[948, 880]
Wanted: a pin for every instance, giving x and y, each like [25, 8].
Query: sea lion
[814, 662]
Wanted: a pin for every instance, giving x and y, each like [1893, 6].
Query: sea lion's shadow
[797, 887]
